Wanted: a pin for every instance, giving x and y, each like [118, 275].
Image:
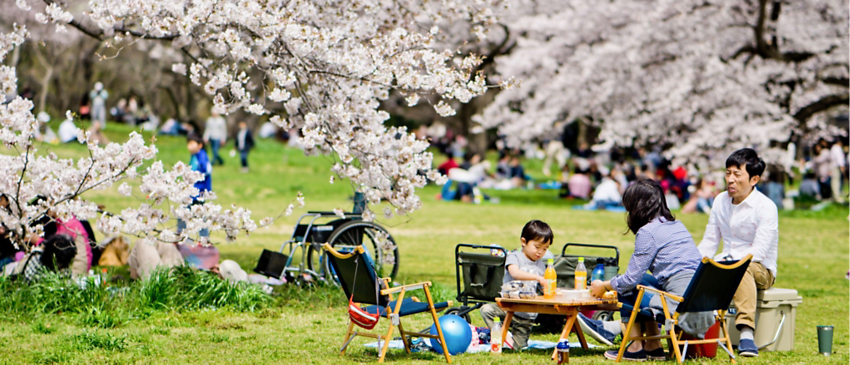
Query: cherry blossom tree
[699, 78]
[319, 66]
[34, 185]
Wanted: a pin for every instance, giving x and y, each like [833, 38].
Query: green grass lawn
[304, 326]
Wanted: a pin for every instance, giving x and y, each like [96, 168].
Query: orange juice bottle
[581, 275]
[551, 280]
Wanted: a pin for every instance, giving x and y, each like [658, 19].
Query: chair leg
[721, 318]
[347, 337]
[437, 324]
[386, 345]
[404, 338]
[631, 324]
[676, 351]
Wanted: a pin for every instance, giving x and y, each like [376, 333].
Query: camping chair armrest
[664, 293]
[405, 287]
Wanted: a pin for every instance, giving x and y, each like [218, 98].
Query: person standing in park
[199, 162]
[215, 134]
[822, 165]
[244, 143]
[747, 222]
[98, 98]
[836, 153]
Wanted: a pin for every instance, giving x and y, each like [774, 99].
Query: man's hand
[597, 288]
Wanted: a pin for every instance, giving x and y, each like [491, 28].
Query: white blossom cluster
[35, 185]
[321, 67]
[699, 77]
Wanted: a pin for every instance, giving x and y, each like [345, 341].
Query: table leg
[571, 321]
[508, 317]
[580, 334]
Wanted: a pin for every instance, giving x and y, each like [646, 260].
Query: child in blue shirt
[200, 162]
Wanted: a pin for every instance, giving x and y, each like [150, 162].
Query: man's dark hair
[59, 251]
[537, 230]
[749, 158]
[644, 200]
[194, 137]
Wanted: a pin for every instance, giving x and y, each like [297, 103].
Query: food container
[568, 295]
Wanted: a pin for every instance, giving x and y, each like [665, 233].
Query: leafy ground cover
[180, 318]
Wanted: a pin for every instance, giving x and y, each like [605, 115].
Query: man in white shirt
[836, 153]
[746, 221]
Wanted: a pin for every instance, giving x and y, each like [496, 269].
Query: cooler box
[772, 305]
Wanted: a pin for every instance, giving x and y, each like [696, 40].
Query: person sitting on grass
[527, 263]
[664, 247]
[53, 254]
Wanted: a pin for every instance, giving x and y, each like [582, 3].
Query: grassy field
[306, 326]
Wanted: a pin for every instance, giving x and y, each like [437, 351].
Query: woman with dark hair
[664, 247]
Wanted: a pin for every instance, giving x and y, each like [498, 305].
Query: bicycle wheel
[377, 241]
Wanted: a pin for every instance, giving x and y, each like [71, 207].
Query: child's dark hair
[644, 200]
[59, 251]
[537, 230]
[749, 158]
[194, 137]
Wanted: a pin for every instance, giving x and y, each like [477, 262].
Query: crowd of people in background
[600, 173]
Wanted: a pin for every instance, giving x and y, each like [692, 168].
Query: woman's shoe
[628, 356]
[657, 354]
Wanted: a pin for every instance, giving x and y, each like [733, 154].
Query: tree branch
[825, 103]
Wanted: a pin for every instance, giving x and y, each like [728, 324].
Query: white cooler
[775, 318]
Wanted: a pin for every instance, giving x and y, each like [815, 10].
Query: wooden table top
[540, 300]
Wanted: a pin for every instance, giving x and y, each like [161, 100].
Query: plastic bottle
[598, 271]
[551, 280]
[563, 351]
[496, 337]
[581, 275]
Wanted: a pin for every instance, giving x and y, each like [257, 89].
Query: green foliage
[179, 289]
[90, 340]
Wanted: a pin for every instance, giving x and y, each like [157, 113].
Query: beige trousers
[757, 278]
[145, 257]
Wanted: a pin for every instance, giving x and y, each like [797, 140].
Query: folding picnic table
[569, 308]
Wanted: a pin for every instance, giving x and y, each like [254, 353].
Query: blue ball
[457, 333]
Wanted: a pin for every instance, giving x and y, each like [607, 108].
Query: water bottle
[496, 337]
[598, 271]
[563, 351]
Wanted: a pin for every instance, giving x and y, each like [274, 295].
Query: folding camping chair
[356, 268]
[711, 289]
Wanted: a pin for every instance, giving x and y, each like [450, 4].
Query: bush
[103, 306]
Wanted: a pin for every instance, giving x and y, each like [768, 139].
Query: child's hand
[541, 280]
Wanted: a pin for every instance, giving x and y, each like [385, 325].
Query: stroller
[479, 277]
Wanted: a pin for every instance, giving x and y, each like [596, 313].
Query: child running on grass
[527, 263]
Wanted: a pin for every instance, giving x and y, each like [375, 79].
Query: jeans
[216, 145]
[243, 157]
[462, 189]
[628, 300]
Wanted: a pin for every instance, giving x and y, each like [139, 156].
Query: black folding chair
[711, 289]
[355, 268]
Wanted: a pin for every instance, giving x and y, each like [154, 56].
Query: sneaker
[748, 348]
[596, 330]
[657, 354]
[639, 356]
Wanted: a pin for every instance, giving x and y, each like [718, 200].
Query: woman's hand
[597, 288]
